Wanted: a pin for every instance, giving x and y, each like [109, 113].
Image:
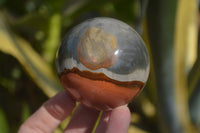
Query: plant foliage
[30, 33]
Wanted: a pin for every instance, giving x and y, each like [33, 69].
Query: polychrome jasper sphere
[103, 63]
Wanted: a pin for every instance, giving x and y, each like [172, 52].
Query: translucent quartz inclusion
[96, 49]
[103, 63]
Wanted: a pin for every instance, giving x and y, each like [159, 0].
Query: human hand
[56, 109]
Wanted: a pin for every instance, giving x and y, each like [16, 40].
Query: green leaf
[185, 37]
[194, 74]
[25, 112]
[194, 105]
[35, 66]
[3, 122]
[52, 42]
[160, 20]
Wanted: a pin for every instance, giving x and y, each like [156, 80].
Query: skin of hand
[56, 109]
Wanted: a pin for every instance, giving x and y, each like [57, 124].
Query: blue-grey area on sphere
[132, 53]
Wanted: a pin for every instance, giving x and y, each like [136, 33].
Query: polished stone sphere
[103, 63]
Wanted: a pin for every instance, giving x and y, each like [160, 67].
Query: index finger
[49, 115]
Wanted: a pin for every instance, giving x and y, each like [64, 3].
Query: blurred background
[31, 32]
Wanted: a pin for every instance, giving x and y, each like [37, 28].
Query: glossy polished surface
[103, 63]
